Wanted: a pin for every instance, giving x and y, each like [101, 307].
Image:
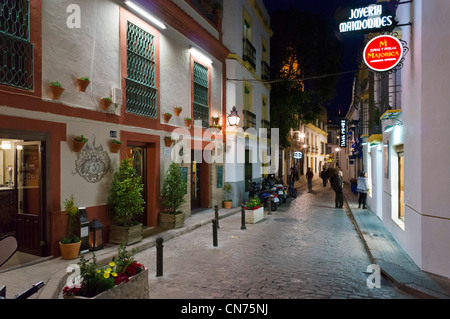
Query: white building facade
[406, 144]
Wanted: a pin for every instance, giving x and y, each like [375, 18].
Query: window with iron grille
[16, 51]
[140, 84]
[201, 94]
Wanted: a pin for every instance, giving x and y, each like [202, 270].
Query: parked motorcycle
[264, 194]
[8, 247]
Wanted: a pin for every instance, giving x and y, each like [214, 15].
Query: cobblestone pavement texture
[305, 249]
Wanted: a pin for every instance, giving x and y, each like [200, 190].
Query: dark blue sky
[352, 44]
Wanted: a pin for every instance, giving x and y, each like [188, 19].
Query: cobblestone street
[305, 249]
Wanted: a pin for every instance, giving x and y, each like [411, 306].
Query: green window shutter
[16, 51]
[201, 94]
[140, 84]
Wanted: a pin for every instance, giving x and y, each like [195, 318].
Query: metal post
[216, 214]
[243, 217]
[214, 227]
[269, 204]
[159, 256]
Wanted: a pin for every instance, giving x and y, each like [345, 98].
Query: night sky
[352, 43]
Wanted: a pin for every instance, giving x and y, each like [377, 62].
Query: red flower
[71, 291]
[120, 278]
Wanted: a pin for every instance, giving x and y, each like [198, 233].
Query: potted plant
[254, 210]
[115, 145]
[56, 90]
[172, 196]
[78, 143]
[216, 120]
[70, 245]
[105, 103]
[177, 110]
[168, 141]
[187, 121]
[228, 201]
[123, 277]
[167, 117]
[83, 83]
[125, 203]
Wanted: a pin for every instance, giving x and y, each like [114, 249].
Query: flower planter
[187, 123]
[216, 120]
[170, 221]
[126, 235]
[105, 104]
[177, 111]
[69, 251]
[56, 92]
[136, 288]
[254, 216]
[82, 85]
[168, 142]
[78, 146]
[167, 118]
[115, 148]
[227, 204]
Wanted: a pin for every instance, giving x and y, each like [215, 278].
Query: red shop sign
[383, 53]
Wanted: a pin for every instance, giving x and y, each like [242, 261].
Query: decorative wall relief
[92, 162]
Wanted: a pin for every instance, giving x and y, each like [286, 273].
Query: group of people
[334, 175]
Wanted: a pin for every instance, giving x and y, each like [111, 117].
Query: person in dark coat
[324, 177]
[338, 185]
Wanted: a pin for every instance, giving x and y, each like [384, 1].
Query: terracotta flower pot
[168, 142]
[227, 205]
[78, 146]
[104, 104]
[177, 111]
[82, 85]
[115, 148]
[69, 251]
[167, 118]
[56, 92]
[187, 123]
[216, 120]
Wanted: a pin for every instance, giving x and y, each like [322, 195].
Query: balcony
[265, 71]
[249, 120]
[266, 124]
[210, 9]
[249, 53]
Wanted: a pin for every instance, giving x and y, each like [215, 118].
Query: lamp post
[233, 118]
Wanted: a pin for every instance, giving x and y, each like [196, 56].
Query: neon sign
[343, 133]
[367, 18]
[383, 53]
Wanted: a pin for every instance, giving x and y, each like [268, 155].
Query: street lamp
[234, 118]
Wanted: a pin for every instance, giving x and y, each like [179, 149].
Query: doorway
[23, 193]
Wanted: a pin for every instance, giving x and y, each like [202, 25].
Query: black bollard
[214, 227]
[216, 214]
[269, 204]
[243, 217]
[159, 256]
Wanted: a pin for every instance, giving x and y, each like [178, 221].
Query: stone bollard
[214, 227]
[159, 256]
[216, 214]
[243, 217]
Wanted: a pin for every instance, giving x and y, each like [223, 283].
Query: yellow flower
[108, 269]
[114, 274]
[98, 271]
[112, 264]
[106, 274]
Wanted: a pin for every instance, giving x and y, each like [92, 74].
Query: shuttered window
[201, 94]
[16, 51]
[140, 84]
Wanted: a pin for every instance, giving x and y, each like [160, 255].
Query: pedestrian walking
[331, 172]
[296, 171]
[309, 177]
[324, 177]
[362, 189]
[338, 185]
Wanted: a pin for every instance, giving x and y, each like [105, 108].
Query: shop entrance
[22, 193]
[138, 156]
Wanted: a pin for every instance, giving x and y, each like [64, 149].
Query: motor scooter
[8, 247]
[264, 194]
